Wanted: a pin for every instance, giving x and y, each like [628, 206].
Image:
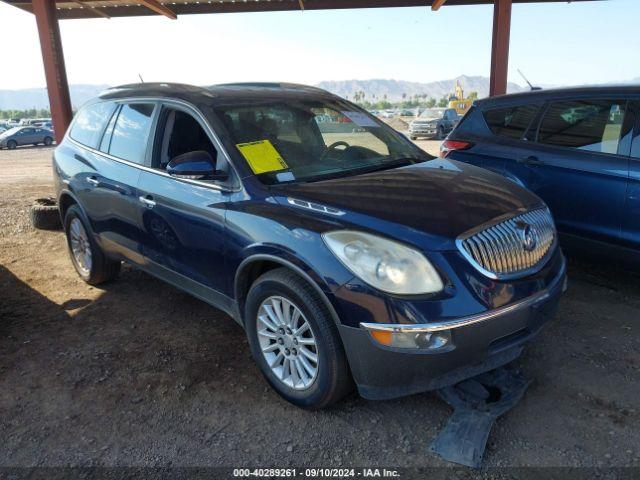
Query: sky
[553, 44]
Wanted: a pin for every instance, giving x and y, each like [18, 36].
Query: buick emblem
[528, 236]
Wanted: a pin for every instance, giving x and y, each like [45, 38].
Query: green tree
[472, 96]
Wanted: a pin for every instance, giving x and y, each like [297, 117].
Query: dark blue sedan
[347, 254]
[577, 148]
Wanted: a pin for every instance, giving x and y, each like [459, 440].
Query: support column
[500, 47]
[54, 69]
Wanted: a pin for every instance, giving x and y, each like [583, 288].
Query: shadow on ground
[147, 375]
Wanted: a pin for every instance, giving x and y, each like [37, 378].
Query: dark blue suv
[346, 253]
[577, 148]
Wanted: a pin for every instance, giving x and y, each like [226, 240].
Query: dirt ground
[137, 373]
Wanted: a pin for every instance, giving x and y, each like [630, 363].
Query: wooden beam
[159, 8]
[500, 47]
[435, 6]
[54, 69]
[97, 11]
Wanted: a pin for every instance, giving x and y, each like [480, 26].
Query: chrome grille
[512, 247]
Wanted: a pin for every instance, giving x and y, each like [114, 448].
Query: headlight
[384, 264]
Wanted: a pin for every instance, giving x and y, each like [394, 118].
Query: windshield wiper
[395, 163]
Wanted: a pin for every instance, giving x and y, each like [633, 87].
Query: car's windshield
[432, 113]
[308, 140]
[11, 131]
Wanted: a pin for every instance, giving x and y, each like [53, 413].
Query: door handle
[93, 181]
[148, 201]
[530, 160]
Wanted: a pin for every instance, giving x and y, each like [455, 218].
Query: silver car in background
[17, 136]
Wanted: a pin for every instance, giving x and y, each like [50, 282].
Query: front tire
[87, 257]
[295, 341]
[440, 133]
[12, 144]
[48, 141]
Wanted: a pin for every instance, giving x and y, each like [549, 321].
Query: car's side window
[106, 137]
[130, 132]
[635, 142]
[177, 133]
[631, 117]
[89, 123]
[592, 125]
[511, 122]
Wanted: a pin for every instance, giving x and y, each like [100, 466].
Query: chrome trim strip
[472, 319]
[316, 207]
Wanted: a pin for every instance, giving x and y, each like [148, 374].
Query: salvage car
[16, 136]
[433, 123]
[349, 257]
[577, 148]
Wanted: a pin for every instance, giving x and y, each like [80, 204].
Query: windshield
[11, 131]
[432, 113]
[309, 140]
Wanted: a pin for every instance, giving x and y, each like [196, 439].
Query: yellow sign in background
[262, 156]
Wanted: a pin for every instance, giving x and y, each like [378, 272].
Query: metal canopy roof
[129, 8]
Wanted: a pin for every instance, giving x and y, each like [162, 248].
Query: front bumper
[481, 342]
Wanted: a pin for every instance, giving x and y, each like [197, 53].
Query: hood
[426, 120]
[438, 199]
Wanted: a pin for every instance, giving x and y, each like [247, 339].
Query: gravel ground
[137, 373]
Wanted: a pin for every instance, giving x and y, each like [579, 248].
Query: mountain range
[37, 97]
[393, 90]
[374, 89]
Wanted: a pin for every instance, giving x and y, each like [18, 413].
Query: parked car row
[577, 148]
[396, 112]
[349, 256]
[22, 122]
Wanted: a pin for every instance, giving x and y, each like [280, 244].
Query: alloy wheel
[287, 342]
[80, 246]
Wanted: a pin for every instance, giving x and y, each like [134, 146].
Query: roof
[215, 94]
[130, 8]
[543, 94]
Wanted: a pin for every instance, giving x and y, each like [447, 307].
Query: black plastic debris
[477, 403]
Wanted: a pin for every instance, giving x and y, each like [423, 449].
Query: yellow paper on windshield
[262, 156]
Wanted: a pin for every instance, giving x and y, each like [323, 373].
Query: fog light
[412, 340]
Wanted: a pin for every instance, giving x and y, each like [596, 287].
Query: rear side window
[511, 122]
[90, 122]
[592, 125]
[129, 137]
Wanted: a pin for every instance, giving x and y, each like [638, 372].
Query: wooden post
[54, 69]
[500, 47]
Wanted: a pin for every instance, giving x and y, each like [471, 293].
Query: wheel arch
[255, 265]
[65, 200]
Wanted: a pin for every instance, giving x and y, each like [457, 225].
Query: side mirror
[198, 165]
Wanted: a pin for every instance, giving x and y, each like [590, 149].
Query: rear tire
[331, 378]
[87, 257]
[440, 133]
[48, 141]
